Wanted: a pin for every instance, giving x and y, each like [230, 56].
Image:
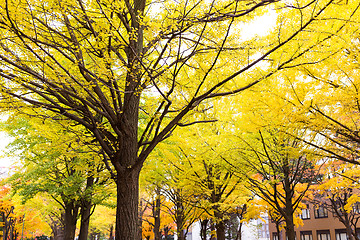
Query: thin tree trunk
[156, 214]
[203, 233]
[239, 234]
[212, 229]
[111, 237]
[86, 211]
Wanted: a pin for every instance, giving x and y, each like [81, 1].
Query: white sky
[260, 26]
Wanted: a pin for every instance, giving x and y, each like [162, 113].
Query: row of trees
[213, 178]
[102, 85]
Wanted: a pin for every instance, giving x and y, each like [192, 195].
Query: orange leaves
[17, 216]
[149, 214]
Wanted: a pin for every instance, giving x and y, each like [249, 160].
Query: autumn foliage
[167, 113]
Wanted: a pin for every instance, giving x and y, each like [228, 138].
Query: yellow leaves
[102, 218]
[34, 222]
[351, 201]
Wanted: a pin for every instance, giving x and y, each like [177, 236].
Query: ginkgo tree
[330, 108]
[163, 179]
[282, 173]
[203, 177]
[101, 63]
[54, 163]
[279, 168]
[338, 194]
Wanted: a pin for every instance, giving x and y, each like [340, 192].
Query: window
[323, 235]
[275, 236]
[320, 212]
[306, 235]
[340, 234]
[305, 214]
[356, 208]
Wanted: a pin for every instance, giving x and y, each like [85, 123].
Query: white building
[254, 230]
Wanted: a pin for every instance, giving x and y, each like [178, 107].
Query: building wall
[315, 225]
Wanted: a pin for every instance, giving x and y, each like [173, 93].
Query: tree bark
[289, 207]
[57, 229]
[212, 229]
[127, 205]
[70, 219]
[85, 220]
[220, 230]
[239, 231]
[156, 213]
[203, 233]
[179, 215]
[111, 236]
[349, 233]
[290, 232]
[220, 224]
[180, 234]
[86, 211]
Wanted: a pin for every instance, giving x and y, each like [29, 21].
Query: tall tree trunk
[180, 234]
[125, 158]
[289, 207]
[289, 228]
[179, 216]
[85, 220]
[70, 219]
[220, 224]
[127, 205]
[289, 219]
[86, 210]
[220, 230]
